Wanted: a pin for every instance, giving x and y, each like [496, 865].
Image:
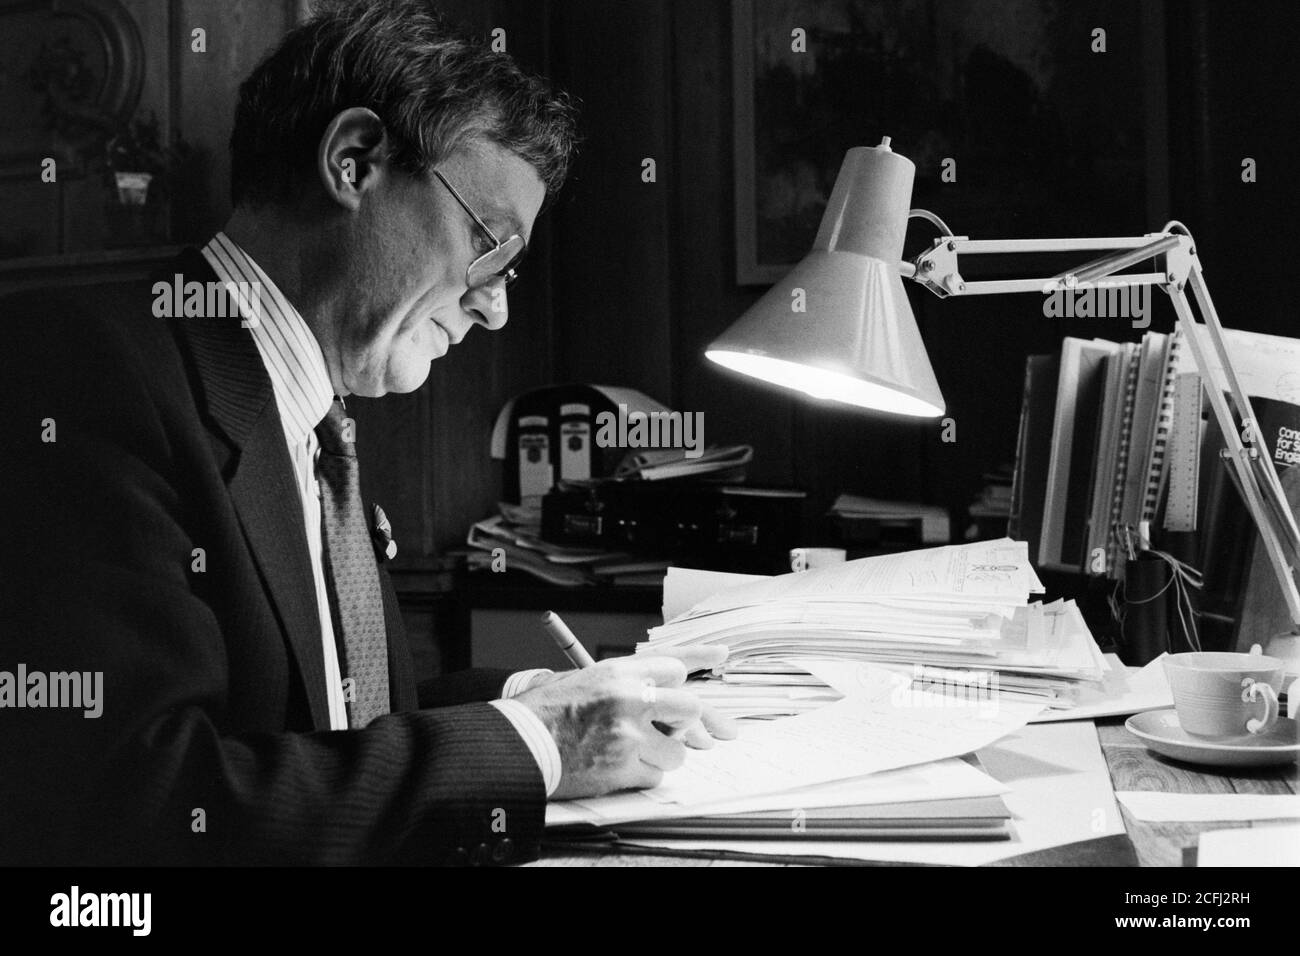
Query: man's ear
[353, 154]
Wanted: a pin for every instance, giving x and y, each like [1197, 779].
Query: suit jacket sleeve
[462, 687]
[95, 579]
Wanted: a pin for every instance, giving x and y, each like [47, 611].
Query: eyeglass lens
[501, 261]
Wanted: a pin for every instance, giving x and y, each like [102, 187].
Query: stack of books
[1094, 426]
[1099, 452]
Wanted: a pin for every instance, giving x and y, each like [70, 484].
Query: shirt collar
[292, 355]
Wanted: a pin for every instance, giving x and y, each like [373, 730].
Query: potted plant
[138, 170]
[132, 158]
[137, 166]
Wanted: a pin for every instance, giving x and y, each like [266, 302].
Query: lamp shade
[856, 339]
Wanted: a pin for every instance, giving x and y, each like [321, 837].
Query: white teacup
[1220, 694]
[805, 559]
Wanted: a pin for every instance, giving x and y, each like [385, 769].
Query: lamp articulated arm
[938, 269]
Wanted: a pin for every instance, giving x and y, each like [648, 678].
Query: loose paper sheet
[1125, 690]
[686, 587]
[1254, 846]
[849, 738]
[987, 572]
[942, 780]
[1158, 807]
[1060, 793]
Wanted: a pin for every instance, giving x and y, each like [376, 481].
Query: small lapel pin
[382, 531]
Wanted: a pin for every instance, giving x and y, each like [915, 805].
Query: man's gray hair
[431, 86]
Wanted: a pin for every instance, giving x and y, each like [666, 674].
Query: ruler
[1184, 454]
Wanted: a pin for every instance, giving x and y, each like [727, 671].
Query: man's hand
[622, 722]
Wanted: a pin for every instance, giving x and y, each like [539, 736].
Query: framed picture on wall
[1021, 119]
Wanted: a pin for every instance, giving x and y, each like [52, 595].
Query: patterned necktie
[356, 604]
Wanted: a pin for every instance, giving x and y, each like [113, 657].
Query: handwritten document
[859, 735]
[986, 572]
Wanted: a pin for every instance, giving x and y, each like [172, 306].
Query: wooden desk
[1132, 767]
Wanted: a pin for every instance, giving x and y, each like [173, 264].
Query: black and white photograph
[780, 435]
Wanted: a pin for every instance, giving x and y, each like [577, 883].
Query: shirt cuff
[518, 682]
[537, 738]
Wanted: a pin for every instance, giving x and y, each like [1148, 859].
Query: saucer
[1161, 732]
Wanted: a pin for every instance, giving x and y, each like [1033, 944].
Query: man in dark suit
[182, 512]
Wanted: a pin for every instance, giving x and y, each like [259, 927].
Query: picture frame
[1049, 137]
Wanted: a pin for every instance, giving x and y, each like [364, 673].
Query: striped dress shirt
[303, 394]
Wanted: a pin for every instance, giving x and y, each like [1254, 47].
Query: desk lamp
[859, 343]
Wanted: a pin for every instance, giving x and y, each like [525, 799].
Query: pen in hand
[565, 640]
[568, 642]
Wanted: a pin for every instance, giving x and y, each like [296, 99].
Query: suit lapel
[234, 390]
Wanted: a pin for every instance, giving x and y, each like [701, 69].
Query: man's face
[413, 243]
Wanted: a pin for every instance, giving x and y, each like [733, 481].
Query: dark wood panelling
[239, 34]
[1233, 76]
[467, 388]
[613, 279]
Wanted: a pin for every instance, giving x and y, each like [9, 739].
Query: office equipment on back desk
[553, 433]
[732, 527]
[873, 521]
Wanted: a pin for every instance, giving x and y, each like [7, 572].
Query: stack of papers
[841, 758]
[949, 617]
[1123, 690]
[866, 759]
[524, 549]
[656, 464]
[1055, 784]
[765, 695]
[930, 792]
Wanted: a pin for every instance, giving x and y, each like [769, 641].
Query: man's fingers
[699, 657]
[644, 777]
[711, 725]
[660, 752]
[678, 709]
[669, 667]
[697, 738]
[719, 725]
[659, 669]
